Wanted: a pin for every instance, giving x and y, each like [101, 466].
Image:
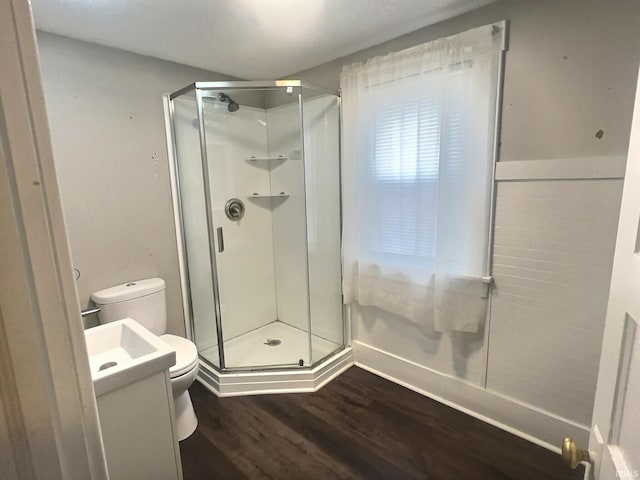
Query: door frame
[49, 425]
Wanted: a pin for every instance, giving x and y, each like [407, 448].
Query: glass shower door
[256, 183]
[193, 216]
[321, 120]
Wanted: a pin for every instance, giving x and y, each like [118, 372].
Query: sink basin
[123, 352]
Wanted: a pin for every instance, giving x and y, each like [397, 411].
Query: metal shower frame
[199, 88]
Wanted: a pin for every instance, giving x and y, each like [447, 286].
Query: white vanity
[130, 371]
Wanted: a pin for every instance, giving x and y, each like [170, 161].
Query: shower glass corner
[257, 193]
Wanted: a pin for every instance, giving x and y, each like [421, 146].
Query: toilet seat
[186, 354]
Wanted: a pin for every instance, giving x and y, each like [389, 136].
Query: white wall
[571, 70]
[107, 127]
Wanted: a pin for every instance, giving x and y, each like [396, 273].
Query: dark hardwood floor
[358, 426]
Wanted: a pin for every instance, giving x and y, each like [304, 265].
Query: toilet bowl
[145, 302]
[183, 374]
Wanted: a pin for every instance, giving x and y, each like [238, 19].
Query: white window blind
[418, 142]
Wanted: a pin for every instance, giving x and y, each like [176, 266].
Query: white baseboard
[267, 382]
[525, 421]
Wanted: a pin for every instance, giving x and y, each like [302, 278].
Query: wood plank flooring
[359, 426]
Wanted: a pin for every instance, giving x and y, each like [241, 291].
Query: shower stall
[256, 183]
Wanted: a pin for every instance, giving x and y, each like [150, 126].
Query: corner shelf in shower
[265, 159]
[269, 195]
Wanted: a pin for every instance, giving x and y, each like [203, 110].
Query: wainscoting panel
[554, 243]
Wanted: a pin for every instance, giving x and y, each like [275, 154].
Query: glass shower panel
[194, 225]
[256, 178]
[289, 217]
[321, 114]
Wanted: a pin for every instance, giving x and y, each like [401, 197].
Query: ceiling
[248, 39]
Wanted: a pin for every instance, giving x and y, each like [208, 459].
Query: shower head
[232, 106]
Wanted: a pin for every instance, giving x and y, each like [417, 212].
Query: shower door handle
[220, 240]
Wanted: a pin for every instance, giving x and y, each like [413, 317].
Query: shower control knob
[234, 209]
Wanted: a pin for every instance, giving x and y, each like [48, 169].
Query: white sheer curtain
[417, 160]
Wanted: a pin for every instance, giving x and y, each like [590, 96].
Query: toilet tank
[142, 300]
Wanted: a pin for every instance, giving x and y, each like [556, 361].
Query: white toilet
[144, 301]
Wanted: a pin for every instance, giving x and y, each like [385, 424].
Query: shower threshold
[249, 351]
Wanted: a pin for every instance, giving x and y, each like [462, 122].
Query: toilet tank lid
[127, 291]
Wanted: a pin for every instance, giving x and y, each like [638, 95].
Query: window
[417, 136]
[418, 130]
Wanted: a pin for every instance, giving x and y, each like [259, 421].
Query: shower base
[251, 350]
